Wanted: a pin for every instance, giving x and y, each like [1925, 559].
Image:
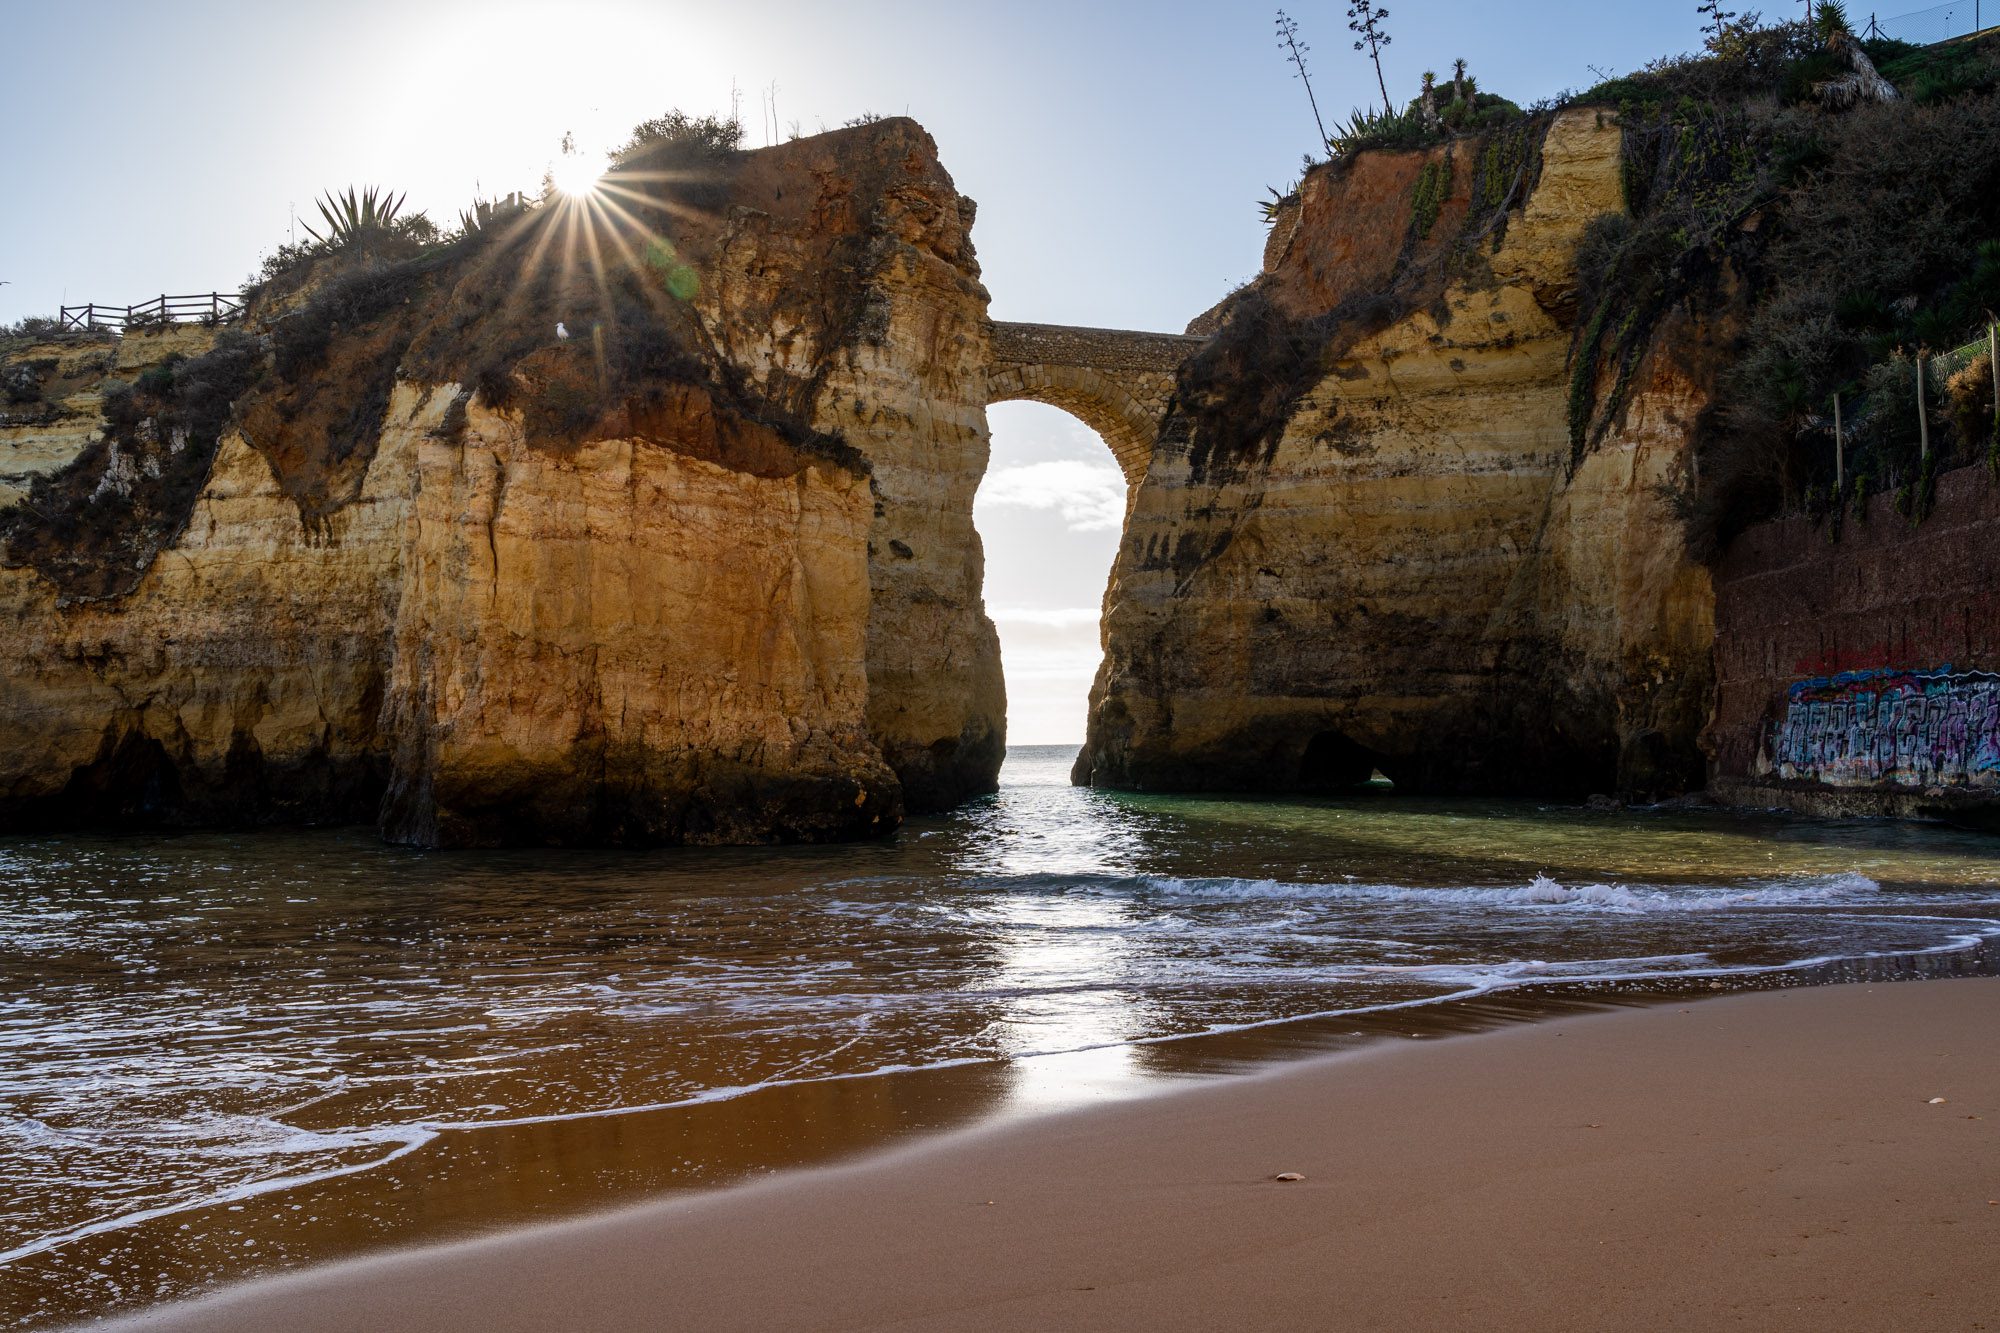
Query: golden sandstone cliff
[1366, 540]
[702, 570]
[650, 520]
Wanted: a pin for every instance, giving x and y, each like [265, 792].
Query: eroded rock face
[630, 643]
[240, 681]
[51, 394]
[702, 571]
[892, 359]
[1401, 563]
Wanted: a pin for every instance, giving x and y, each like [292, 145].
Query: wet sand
[1769, 1160]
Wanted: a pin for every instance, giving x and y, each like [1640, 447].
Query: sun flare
[577, 175]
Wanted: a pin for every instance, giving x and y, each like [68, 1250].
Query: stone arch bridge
[1115, 381]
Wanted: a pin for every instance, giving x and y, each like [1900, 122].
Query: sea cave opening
[1331, 761]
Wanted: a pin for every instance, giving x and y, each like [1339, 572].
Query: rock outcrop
[649, 519]
[858, 297]
[702, 571]
[51, 394]
[1366, 540]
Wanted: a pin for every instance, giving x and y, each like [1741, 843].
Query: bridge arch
[1116, 381]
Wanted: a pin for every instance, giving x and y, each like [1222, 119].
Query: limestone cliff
[701, 570]
[884, 344]
[1366, 539]
[51, 394]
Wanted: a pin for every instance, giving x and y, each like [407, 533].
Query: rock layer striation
[697, 566]
[1365, 540]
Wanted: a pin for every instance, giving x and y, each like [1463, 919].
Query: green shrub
[1750, 62]
[677, 131]
[35, 327]
[158, 381]
[22, 383]
[94, 532]
[1941, 73]
[1367, 129]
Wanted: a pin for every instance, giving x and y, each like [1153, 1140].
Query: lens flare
[577, 175]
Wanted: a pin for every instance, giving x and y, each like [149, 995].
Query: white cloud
[1089, 496]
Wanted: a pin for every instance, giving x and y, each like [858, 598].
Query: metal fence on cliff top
[1940, 23]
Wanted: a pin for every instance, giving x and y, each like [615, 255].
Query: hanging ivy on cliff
[1694, 178]
[1427, 197]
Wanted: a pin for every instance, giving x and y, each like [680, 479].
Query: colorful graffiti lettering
[1898, 728]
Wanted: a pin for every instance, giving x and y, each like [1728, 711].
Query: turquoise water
[187, 1023]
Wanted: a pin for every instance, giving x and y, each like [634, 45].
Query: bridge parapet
[1116, 381]
[1104, 349]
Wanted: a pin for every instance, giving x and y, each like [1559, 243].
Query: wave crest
[1542, 891]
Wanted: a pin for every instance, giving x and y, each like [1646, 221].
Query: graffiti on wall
[1895, 728]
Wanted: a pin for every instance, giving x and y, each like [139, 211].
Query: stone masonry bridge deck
[1115, 381]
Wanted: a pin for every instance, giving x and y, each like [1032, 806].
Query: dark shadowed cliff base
[1773, 1161]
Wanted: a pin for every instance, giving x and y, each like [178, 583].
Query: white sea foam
[1454, 982]
[1542, 891]
[404, 1140]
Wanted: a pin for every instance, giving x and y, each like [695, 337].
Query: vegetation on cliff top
[94, 527]
[1428, 118]
[1813, 240]
[572, 314]
[1811, 245]
[1234, 396]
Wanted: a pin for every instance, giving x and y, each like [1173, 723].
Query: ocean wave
[279, 1146]
[1541, 892]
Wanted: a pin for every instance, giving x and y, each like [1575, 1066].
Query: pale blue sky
[1117, 151]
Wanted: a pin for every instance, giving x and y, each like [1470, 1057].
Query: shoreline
[1143, 1192]
[474, 1182]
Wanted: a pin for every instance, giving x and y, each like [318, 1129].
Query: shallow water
[205, 1041]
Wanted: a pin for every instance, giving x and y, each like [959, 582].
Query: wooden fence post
[1839, 454]
[1923, 417]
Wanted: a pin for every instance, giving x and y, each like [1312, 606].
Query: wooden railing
[206, 307]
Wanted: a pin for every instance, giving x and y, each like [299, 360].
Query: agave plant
[351, 217]
[485, 212]
[1366, 128]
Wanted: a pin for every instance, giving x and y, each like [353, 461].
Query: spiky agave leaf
[1365, 128]
[351, 217]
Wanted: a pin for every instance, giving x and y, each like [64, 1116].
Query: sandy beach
[1771, 1160]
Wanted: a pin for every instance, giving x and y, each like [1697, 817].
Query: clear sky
[1117, 148]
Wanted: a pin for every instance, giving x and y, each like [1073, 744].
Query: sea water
[207, 1041]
